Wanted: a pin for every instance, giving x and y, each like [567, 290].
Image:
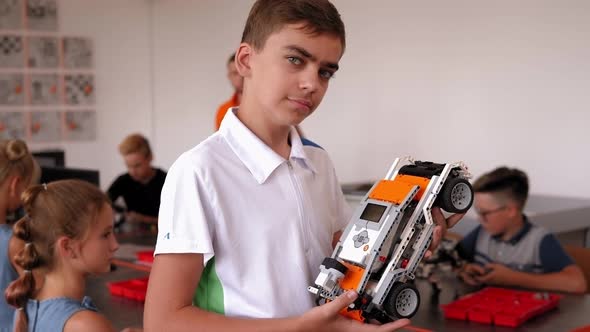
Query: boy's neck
[149, 178]
[276, 137]
[515, 226]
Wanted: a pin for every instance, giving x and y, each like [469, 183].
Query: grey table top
[120, 311]
[573, 310]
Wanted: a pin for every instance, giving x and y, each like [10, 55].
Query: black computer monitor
[49, 174]
[50, 158]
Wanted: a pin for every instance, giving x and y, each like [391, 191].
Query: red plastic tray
[500, 306]
[145, 256]
[134, 289]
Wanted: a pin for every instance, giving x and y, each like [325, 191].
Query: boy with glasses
[506, 249]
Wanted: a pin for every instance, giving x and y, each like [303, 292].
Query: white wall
[500, 82]
[487, 82]
[192, 41]
[120, 31]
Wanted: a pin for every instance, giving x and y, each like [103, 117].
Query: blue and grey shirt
[533, 249]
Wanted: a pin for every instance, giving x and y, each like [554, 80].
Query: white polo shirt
[262, 223]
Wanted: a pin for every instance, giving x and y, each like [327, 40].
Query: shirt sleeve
[553, 257]
[183, 225]
[466, 247]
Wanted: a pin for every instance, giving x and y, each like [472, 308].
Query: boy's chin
[493, 232]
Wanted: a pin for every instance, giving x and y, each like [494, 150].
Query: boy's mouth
[301, 102]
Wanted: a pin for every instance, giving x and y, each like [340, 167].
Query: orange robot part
[396, 190]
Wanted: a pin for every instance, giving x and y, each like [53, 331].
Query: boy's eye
[107, 234]
[326, 74]
[294, 60]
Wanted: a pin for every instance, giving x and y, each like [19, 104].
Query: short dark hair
[269, 16]
[510, 182]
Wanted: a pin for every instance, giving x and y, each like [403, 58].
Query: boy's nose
[309, 80]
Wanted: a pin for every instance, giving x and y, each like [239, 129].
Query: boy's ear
[243, 56]
[513, 209]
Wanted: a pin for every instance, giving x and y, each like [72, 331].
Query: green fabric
[209, 293]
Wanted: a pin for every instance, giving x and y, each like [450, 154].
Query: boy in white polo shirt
[249, 213]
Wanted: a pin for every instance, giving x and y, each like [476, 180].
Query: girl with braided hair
[68, 235]
[16, 171]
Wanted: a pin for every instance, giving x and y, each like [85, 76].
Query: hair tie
[26, 271]
[45, 186]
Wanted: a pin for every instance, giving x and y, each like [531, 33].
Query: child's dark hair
[510, 182]
[269, 16]
[62, 208]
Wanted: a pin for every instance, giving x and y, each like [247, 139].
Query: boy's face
[494, 213]
[289, 76]
[139, 166]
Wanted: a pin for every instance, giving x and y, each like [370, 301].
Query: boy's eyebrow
[303, 52]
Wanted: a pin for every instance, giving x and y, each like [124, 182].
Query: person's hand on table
[469, 273]
[497, 274]
[134, 217]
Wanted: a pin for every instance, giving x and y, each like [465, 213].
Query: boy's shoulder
[203, 154]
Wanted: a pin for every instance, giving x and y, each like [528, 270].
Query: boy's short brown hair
[135, 143]
[508, 182]
[269, 16]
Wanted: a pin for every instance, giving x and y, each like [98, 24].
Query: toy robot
[387, 237]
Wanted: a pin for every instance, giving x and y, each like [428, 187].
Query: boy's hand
[470, 272]
[133, 217]
[327, 318]
[497, 274]
[442, 224]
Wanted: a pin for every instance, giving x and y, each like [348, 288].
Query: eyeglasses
[485, 214]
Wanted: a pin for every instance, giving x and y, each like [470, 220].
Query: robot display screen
[373, 212]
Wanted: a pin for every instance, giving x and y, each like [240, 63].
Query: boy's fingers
[341, 302]
[398, 324]
[454, 219]
[436, 237]
[439, 219]
[478, 268]
[468, 279]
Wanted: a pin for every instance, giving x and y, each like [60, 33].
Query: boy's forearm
[149, 219]
[195, 319]
[562, 281]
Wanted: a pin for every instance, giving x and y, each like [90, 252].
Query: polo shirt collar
[526, 227]
[258, 157]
